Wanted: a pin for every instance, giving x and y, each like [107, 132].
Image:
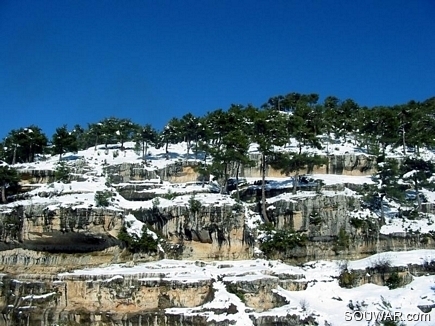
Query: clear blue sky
[68, 62]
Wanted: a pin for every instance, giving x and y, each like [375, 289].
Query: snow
[323, 298]
[410, 174]
[134, 226]
[401, 226]
[38, 296]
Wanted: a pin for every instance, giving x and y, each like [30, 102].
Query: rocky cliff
[184, 171]
[57, 228]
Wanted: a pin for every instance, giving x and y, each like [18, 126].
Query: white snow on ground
[97, 158]
[402, 225]
[134, 226]
[323, 298]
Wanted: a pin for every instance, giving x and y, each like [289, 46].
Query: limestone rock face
[212, 232]
[87, 300]
[36, 176]
[347, 164]
[37, 242]
[141, 295]
[320, 215]
[68, 230]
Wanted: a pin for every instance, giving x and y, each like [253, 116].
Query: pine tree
[81, 137]
[418, 172]
[23, 144]
[126, 130]
[171, 134]
[63, 141]
[232, 151]
[388, 176]
[146, 136]
[8, 180]
[269, 130]
[217, 121]
[190, 130]
[303, 126]
[94, 134]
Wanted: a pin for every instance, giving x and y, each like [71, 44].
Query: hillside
[155, 242]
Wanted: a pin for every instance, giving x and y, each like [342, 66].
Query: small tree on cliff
[8, 180]
[418, 172]
[269, 130]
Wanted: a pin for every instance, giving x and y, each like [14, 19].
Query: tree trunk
[32, 154]
[3, 191]
[382, 211]
[196, 148]
[263, 188]
[96, 142]
[417, 193]
[143, 149]
[188, 148]
[237, 180]
[14, 158]
[205, 169]
[403, 141]
[295, 182]
[223, 189]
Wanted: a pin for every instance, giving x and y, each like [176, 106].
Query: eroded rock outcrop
[59, 229]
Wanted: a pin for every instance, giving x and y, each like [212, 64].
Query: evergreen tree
[23, 144]
[421, 125]
[206, 136]
[217, 122]
[146, 136]
[274, 103]
[8, 180]
[269, 130]
[171, 134]
[233, 151]
[190, 130]
[347, 112]
[126, 130]
[330, 106]
[388, 173]
[63, 141]
[405, 117]
[418, 172]
[388, 177]
[93, 135]
[81, 137]
[290, 101]
[378, 128]
[304, 126]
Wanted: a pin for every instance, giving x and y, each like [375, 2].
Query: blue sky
[69, 62]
